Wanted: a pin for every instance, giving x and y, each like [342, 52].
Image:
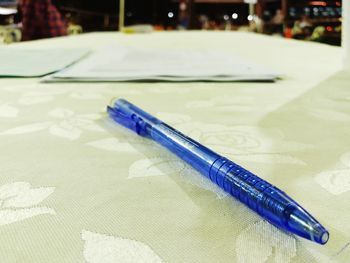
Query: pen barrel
[263, 198]
[260, 196]
[198, 156]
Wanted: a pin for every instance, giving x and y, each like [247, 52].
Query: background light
[234, 16]
[250, 17]
[7, 11]
[170, 14]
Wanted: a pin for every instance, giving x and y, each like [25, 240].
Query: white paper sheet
[132, 64]
[16, 62]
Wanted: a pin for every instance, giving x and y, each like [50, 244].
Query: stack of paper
[134, 64]
[16, 62]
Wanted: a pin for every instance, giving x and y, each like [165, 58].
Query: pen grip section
[254, 192]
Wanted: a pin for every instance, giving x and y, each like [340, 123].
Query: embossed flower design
[245, 143]
[70, 125]
[19, 201]
[222, 103]
[336, 181]
[39, 96]
[266, 244]
[66, 124]
[8, 111]
[99, 248]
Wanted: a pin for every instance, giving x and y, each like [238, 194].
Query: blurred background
[302, 19]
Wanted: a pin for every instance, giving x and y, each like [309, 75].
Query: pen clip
[132, 122]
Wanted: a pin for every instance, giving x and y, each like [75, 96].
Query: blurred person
[306, 26]
[288, 30]
[305, 22]
[213, 25]
[184, 16]
[227, 26]
[73, 28]
[184, 21]
[204, 22]
[318, 34]
[302, 28]
[41, 19]
[257, 24]
[277, 22]
[297, 31]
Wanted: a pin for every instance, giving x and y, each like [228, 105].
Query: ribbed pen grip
[251, 190]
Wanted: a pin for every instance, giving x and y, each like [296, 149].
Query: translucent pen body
[260, 196]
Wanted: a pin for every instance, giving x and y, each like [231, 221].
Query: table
[75, 188]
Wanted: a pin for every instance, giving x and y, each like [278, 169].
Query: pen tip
[324, 237]
[303, 224]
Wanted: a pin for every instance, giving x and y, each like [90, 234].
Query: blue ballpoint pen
[265, 199]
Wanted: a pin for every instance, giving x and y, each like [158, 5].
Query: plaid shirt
[41, 19]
